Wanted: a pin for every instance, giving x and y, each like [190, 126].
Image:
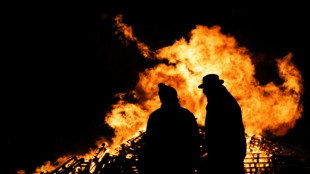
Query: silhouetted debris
[263, 157]
[268, 157]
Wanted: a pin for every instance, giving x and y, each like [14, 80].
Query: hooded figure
[224, 130]
[172, 137]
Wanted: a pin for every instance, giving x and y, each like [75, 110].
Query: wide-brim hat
[210, 79]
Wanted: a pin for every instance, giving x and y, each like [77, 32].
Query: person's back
[223, 123]
[172, 140]
[224, 130]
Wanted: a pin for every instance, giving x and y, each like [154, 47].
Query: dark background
[63, 64]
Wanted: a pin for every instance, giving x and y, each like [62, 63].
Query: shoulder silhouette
[224, 130]
[172, 136]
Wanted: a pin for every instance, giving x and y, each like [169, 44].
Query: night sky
[63, 64]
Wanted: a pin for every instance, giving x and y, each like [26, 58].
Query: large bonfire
[264, 107]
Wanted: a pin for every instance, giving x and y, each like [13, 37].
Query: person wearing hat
[224, 130]
[172, 137]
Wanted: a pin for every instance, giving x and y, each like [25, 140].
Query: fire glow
[264, 107]
[268, 107]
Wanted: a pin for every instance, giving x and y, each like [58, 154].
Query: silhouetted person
[172, 137]
[224, 130]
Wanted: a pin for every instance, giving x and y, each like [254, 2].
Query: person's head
[167, 94]
[210, 83]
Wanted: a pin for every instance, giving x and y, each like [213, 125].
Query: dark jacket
[172, 141]
[224, 128]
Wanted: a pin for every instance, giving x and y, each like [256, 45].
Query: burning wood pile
[271, 106]
[268, 157]
[263, 157]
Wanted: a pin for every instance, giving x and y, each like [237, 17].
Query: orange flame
[268, 107]
[49, 166]
[128, 34]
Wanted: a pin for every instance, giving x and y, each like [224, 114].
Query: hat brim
[201, 86]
